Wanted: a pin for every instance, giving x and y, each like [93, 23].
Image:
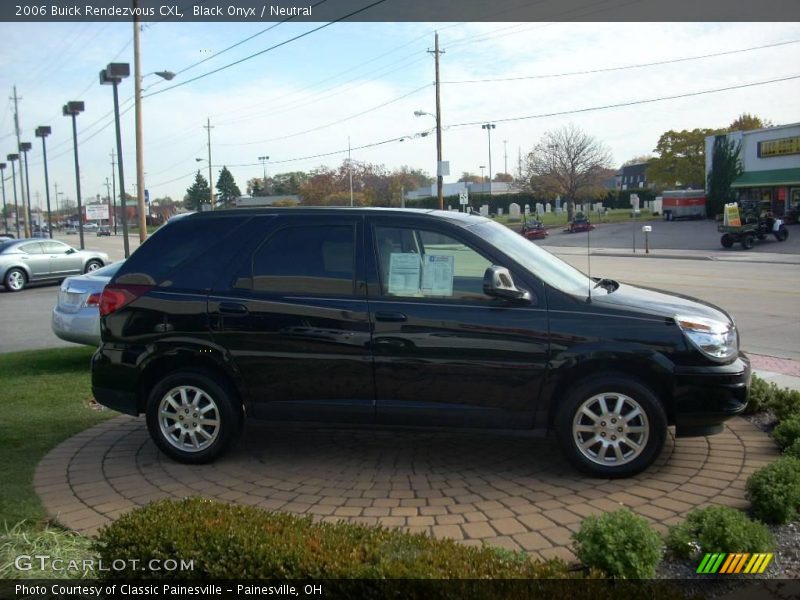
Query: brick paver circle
[511, 490]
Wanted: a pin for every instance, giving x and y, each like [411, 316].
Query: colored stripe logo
[734, 563]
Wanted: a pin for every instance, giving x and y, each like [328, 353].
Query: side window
[55, 248]
[32, 248]
[305, 260]
[425, 264]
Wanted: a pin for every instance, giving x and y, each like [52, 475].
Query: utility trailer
[683, 204]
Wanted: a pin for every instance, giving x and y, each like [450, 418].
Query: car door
[63, 259]
[35, 259]
[294, 319]
[445, 352]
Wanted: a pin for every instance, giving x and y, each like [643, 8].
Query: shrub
[787, 432]
[785, 403]
[793, 450]
[620, 543]
[774, 490]
[761, 395]
[243, 542]
[718, 529]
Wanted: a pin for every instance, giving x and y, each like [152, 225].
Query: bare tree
[567, 162]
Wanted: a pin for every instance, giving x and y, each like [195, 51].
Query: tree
[638, 160]
[726, 166]
[503, 177]
[566, 162]
[681, 158]
[288, 183]
[197, 194]
[227, 188]
[746, 122]
[470, 178]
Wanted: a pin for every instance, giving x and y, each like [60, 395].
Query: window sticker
[437, 275]
[404, 271]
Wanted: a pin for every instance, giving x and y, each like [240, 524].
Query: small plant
[785, 403]
[774, 490]
[787, 431]
[761, 395]
[718, 529]
[620, 543]
[27, 542]
[793, 450]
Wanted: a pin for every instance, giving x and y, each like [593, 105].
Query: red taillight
[93, 299]
[116, 296]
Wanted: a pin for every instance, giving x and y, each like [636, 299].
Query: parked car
[76, 315]
[534, 230]
[403, 317]
[103, 230]
[6, 237]
[29, 260]
[90, 226]
[71, 231]
[579, 223]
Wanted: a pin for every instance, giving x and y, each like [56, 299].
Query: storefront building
[770, 166]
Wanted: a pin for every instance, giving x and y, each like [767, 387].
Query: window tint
[32, 248]
[55, 247]
[305, 260]
[426, 264]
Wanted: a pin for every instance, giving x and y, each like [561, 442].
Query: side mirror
[497, 283]
[71, 251]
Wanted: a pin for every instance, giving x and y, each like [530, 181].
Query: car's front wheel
[192, 417]
[611, 426]
[92, 265]
[15, 280]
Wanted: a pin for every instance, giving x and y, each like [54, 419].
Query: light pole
[24, 147]
[483, 179]
[439, 179]
[73, 109]
[488, 127]
[11, 158]
[264, 160]
[5, 214]
[42, 132]
[112, 75]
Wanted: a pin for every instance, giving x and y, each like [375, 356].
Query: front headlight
[713, 338]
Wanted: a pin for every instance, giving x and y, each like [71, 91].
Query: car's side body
[32, 260]
[76, 316]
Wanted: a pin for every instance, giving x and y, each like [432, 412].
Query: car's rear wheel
[611, 426]
[748, 241]
[15, 280]
[193, 418]
[92, 265]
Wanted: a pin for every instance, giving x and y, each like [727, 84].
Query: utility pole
[108, 193]
[350, 170]
[137, 87]
[16, 100]
[505, 156]
[488, 127]
[208, 127]
[439, 182]
[114, 187]
[55, 185]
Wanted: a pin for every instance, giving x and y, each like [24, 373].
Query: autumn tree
[680, 158]
[638, 160]
[566, 162]
[746, 122]
[197, 194]
[467, 177]
[228, 191]
[503, 177]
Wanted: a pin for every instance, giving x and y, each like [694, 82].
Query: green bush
[793, 450]
[774, 490]
[787, 432]
[243, 542]
[785, 403]
[761, 396]
[620, 543]
[718, 529]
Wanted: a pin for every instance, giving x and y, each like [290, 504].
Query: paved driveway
[509, 490]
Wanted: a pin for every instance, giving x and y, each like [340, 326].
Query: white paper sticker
[437, 275]
[404, 271]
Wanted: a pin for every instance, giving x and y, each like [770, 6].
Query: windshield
[545, 266]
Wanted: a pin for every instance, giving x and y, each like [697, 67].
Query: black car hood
[658, 303]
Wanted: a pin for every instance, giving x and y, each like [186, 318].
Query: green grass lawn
[45, 397]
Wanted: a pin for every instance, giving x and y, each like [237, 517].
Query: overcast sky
[365, 81]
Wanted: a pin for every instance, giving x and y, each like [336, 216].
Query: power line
[637, 66]
[631, 103]
[246, 58]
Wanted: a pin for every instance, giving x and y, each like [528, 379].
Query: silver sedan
[30, 260]
[76, 315]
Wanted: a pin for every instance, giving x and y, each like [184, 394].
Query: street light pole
[112, 75]
[11, 158]
[42, 132]
[488, 127]
[483, 179]
[5, 214]
[264, 160]
[73, 109]
[24, 147]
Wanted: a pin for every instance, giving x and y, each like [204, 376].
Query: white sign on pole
[96, 212]
[635, 201]
[443, 168]
[463, 197]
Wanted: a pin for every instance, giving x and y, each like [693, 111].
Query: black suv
[403, 317]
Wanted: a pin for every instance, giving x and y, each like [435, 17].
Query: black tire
[15, 280]
[93, 265]
[216, 401]
[726, 240]
[611, 387]
[748, 241]
[782, 234]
